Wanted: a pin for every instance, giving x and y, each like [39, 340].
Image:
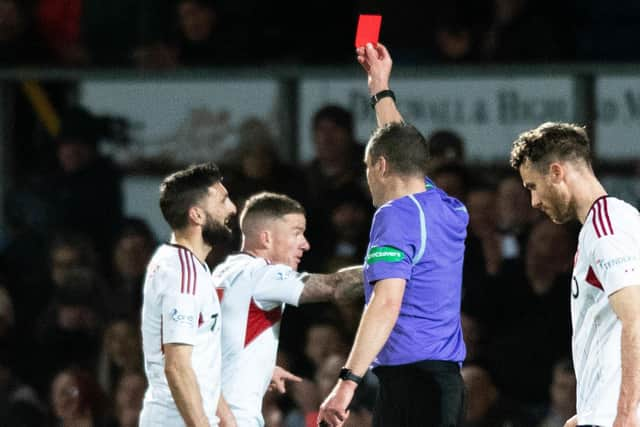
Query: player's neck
[398, 187]
[256, 252]
[192, 241]
[586, 192]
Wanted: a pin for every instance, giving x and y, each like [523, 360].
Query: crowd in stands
[72, 266]
[166, 34]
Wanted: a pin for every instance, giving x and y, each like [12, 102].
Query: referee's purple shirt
[420, 238]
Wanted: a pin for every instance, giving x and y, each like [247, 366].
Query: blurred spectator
[563, 395]
[19, 40]
[483, 255]
[531, 301]
[258, 167]
[199, 40]
[350, 222]
[17, 399]
[453, 178]
[76, 399]
[69, 331]
[133, 247]
[515, 216]
[522, 30]
[69, 251]
[473, 331]
[336, 171]
[445, 146]
[121, 353]
[86, 180]
[128, 398]
[459, 26]
[138, 22]
[486, 406]
[59, 22]
[323, 339]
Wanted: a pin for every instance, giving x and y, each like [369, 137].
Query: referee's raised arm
[377, 62]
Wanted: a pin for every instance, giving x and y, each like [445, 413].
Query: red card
[368, 29]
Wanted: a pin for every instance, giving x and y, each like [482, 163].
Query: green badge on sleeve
[384, 253]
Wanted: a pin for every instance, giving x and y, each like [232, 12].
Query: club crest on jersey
[183, 319]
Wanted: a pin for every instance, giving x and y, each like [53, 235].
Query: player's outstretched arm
[184, 385]
[223, 412]
[377, 62]
[625, 303]
[345, 283]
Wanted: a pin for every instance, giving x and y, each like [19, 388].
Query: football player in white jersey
[554, 161]
[180, 312]
[254, 286]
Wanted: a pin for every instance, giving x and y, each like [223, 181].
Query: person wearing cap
[410, 331]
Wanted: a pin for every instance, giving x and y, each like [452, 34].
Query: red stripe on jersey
[195, 274]
[259, 320]
[200, 320]
[220, 292]
[186, 260]
[600, 220]
[595, 224]
[606, 214]
[593, 280]
[181, 271]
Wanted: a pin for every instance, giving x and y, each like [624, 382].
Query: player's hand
[279, 377]
[377, 62]
[333, 410]
[628, 420]
[572, 422]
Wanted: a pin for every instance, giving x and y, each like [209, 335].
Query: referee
[410, 330]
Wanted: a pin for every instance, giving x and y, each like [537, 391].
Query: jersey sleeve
[180, 310]
[617, 261]
[275, 284]
[395, 233]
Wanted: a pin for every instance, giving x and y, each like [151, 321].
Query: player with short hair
[554, 161]
[180, 312]
[254, 286]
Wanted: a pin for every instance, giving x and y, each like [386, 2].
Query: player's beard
[560, 210]
[215, 232]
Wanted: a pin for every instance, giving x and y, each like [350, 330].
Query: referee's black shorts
[422, 394]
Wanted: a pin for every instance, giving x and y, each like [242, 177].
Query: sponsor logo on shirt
[384, 254]
[183, 319]
[610, 263]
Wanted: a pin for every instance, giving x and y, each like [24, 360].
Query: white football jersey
[607, 260]
[180, 306]
[252, 295]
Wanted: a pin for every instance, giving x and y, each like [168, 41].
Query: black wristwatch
[346, 374]
[382, 94]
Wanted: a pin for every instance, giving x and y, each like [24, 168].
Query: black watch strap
[382, 94]
[346, 374]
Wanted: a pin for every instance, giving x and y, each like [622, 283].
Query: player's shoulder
[235, 265]
[610, 217]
